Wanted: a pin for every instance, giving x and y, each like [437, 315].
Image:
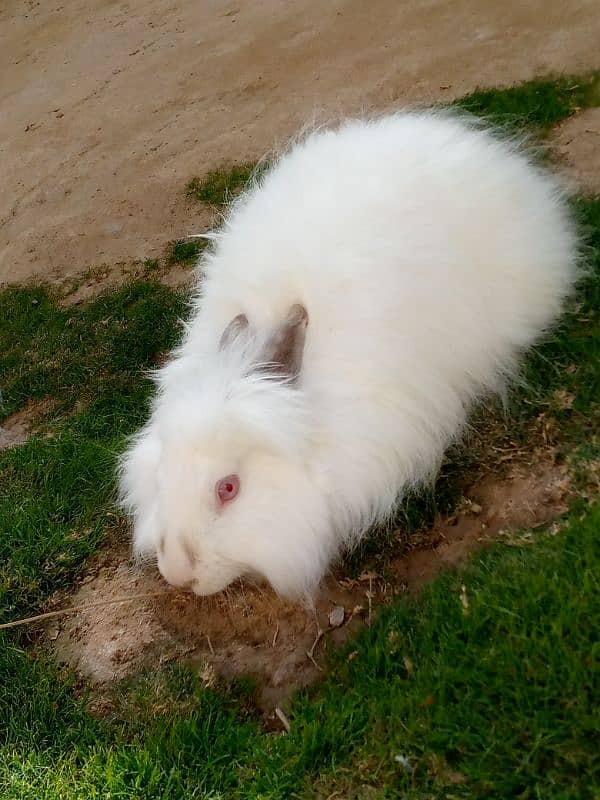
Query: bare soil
[248, 630]
[576, 147]
[109, 107]
[16, 429]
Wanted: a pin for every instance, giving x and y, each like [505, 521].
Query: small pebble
[337, 616]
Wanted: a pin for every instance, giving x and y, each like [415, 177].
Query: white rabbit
[378, 279]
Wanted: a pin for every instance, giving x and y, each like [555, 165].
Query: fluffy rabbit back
[429, 255]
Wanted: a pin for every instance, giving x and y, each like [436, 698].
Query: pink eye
[227, 488]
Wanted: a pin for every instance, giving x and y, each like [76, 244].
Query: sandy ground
[108, 108]
[576, 147]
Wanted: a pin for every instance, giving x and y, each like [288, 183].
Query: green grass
[503, 694]
[499, 702]
[538, 104]
[56, 491]
[150, 266]
[184, 251]
[219, 186]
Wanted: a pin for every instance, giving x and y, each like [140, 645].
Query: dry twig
[84, 607]
[283, 719]
[311, 653]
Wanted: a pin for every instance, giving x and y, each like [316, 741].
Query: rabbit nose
[176, 564]
[175, 573]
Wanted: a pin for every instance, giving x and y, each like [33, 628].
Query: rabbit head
[220, 481]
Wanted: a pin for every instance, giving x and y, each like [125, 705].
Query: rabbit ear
[237, 326]
[284, 349]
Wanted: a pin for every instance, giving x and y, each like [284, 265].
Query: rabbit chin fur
[428, 255]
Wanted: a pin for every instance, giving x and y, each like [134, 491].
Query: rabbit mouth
[204, 589]
[214, 579]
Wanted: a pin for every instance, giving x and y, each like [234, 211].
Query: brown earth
[109, 107]
[576, 147]
[248, 630]
[16, 429]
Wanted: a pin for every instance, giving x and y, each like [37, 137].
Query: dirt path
[108, 108]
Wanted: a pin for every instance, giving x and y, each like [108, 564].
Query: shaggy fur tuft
[428, 255]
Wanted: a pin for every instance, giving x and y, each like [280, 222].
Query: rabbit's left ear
[236, 328]
[284, 349]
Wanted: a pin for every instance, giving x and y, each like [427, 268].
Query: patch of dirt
[78, 289]
[16, 429]
[576, 147]
[248, 630]
[111, 107]
[526, 499]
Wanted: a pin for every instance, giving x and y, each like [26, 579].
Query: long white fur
[429, 255]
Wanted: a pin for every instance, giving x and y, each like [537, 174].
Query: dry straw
[84, 607]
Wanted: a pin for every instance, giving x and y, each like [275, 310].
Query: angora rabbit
[359, 297]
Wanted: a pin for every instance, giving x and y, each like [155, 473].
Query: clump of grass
[223, 184]
[562, 375]
[537, 104]
[176, 739]
[150, 265]
[184, 251]
[57, 491]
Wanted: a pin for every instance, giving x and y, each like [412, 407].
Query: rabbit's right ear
[237, 326]
[285, 348]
